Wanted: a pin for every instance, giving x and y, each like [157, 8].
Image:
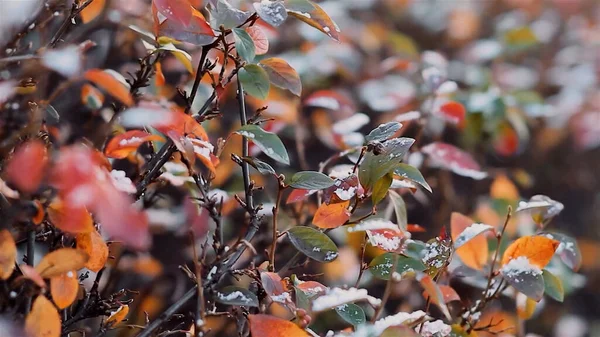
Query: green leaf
[399, 331]
[244, 45]
[313, 243]
[351, 313]
[302, 299]
[381, 266]
[310, 180]
[411, 173]
[237, 296]
[259, 165]
[383, 132]
[553, 286]
[400, 209]
[414, 249]
[268, 142]
[381, 188]
[255, 80]
[223, 13]
[375, 166]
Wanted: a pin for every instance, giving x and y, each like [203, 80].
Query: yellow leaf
[64, 289]
[537, 249]
[61, 261]
[525, 306]
[118, 316]
[474, 253]
[95, 247]
[43, 320]
[271, 326]
[8, 254]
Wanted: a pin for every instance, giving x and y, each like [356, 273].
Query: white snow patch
[337, 296]
[470, 232]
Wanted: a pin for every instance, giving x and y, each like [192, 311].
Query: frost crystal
[397, 319]
[337, 296]
[435, 328]
[374, 224]
[236, 295]
[519, 266]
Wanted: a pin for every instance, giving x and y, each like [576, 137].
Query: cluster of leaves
[93, 191]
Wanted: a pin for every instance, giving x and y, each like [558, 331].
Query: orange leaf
[261, 43]
[319, 19]
[27, 166]
[64, 289]
[32, 275]
[453, 112]
[119, 315]
[503, 188]
[474, 253]
[271, 326]
[160, 76]
[91, 96]
[92, 10]
[537, 249]
[433, 291]
[93, 244]
[70, 219]
[448, 293]
[61, 261]
[110, 84]
[282, 75]
[8, 254]
[122, 145]
[43, 320]
[332, 215]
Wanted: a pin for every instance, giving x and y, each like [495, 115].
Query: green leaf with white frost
[351, 313]
[374, 166]
[244, 45]
[268, 142]
[313, 243]
[310, 180]
[381, 266]
[259, 165]
[383, 132]
[411, 173]
[255, 80]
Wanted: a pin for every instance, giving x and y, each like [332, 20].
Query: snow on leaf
[350, 124]
[337, 296]
[524, 276]
[237, 296]
[122, 145]
[541, 207]
[268, 142]
[65, 61]
[474, 251]
[272, 12]
[315, 17]
[111, 84]
[454, 159]
[470, 232]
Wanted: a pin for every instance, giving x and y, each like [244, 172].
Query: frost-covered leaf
[567, 250]
[259, 165]
[411, 173]
[553, 286]
[537, 249]
[268, 142]
[299, 195]
[314, 15]
[437, 254]
[122, 145]
[542, 208]
[335, 297]
[381, 265]
[469, 233]
[227, 15]
[389, 240]
[399, 209]
[374, 166]
[310, 180]
[255, 80]
[525, 277]
[383, 132]
[454, 159]
[65, 61]
[313, 243]
[272, 12]
[351, 313]
[282, 75]
[244, 45]
[237, 296]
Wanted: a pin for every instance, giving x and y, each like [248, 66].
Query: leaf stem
[280, 189]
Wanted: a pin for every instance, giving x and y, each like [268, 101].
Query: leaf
[70, 218]
[437, 254]
[255, 80]
[525, 307]
[374, 166]
[541, 207]
[64, 289]
[399, 330]
[124, 144]
[537, 249]
[313, 243]
[298, 195]
[237, 296]
[315, 17]
[448, 293]
[272, 12]
[92, 10]
[227, 15]
[524, 277]
[93, 244]
[260, 165]
[181, 55]
[261, 42]
[383, 132]
[271, 326]
[503, 188]
[61, 261]
[381, 188]
[473, 253]
[8, 254]
[553, 286]
[452, 112]
[177, 10]
[244, 45]
[27, 166]
[43, 320]
[268, 142]
[568, 250]
[351, 313]
[332, 215]
[198, 32]
[109, 84]
[389, 240]
[399, 209]
[118, 315]
[281, 74]
[381, 265]
[454, 159]
[469, 233]
[434, 293]
[310, 180]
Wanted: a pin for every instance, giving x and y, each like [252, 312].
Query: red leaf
[110, 84]
[122, 145]
[261, 43]
[386, 239]
[27, 166]
[452, 112]
[177, 10]
[197, 32]
[298, 195]
[506, 141]
[454, 159]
